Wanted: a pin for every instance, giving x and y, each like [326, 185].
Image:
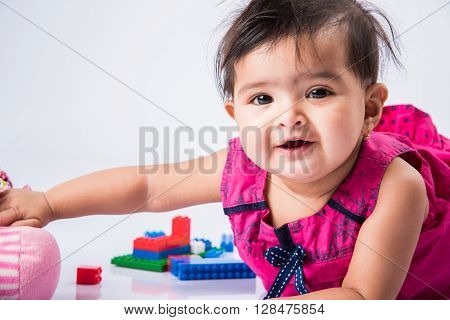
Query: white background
[63, 117]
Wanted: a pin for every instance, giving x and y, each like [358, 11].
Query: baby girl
[329, 194]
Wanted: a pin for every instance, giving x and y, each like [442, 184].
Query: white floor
[94, 240]
[78, 248]
[125, 283]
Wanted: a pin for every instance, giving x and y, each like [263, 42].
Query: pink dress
[314, 252]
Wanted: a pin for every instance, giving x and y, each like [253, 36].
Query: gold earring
[366, 137]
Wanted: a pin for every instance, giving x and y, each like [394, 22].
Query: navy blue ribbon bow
[290, 263]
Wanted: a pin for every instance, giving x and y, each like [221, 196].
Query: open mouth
[295, 144]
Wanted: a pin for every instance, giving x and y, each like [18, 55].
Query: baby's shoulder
[402, 180]
[399, 168]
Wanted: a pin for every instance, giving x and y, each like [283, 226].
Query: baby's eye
[318, 93]
[262, 99]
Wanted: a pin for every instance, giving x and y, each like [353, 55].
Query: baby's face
[276, 97]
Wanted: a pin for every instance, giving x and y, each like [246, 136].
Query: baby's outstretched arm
[153, 188]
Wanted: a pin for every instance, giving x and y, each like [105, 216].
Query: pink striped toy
[29, 260]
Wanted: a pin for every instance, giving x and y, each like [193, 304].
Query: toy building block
[206, 242]
[157, 255]
[197, 247]
[213, 253]
[214, 268]
[221, 271]
[159, 243]
[156, 244]
[178, 256]
[154, 234]
[170, 257]
[89, 274]
[175, 261]
[128, 261]
[181, 227]
[227, 242]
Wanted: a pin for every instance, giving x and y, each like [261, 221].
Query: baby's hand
[23, 207]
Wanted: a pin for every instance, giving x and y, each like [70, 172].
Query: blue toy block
[227, 242]
[154, 255]
[175, 262]
[206, 242]
[200, 260]
[213, 268]
[213, 253]
[154, 234]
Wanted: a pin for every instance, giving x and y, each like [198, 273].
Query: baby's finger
[8, 216]
[29, 223]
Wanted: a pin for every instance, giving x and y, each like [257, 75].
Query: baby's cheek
[338, 142]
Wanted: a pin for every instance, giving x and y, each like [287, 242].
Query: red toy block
[157, 244]
[177, 241]
[169, 242]
[181, 233]
[89, 275]
[181, 226]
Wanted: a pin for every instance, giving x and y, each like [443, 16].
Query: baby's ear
[376, 96]
[229, 106]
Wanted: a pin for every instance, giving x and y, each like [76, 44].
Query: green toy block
[128, 261]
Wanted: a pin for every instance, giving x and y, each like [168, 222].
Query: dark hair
[268, 21]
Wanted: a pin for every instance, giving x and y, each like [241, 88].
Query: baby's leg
[29, 263]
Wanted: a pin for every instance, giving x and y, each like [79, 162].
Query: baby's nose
[298, 123]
